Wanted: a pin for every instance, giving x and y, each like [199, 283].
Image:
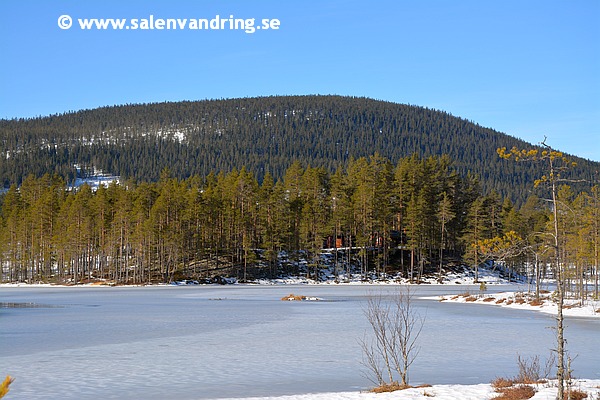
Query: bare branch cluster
[392, 348]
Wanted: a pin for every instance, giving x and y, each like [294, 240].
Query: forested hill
[262, 134]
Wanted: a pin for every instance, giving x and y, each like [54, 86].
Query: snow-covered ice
[236, 341]
[206, 342]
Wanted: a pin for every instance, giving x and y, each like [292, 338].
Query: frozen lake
[208, 342]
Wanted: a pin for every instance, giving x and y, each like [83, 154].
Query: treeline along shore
[413, 217]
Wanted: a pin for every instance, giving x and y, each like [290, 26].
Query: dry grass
[488, 299]
[521, 392]
[500, 301]
[518, 388]
[471, 298]
[394, 386]
[104, 283]
[390, 387]
[501, 383]
[520, 300]
[535, 303]
[576, 394]
[293, 297]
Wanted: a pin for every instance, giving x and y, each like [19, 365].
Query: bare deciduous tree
[392, 348]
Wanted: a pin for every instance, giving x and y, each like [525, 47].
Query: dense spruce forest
[418, 216]
[263, 135]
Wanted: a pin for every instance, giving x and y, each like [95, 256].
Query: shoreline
[482, 391]
[526, 301]
[517, 300]
[486, 277]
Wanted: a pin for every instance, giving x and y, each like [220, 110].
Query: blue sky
[527, 68]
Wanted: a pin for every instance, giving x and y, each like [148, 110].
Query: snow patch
[544, 391]
[527, 301]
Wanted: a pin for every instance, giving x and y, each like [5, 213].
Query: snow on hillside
[349, 274]
[99, 178]
[96, 181]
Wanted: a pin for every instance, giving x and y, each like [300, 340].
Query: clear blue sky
[527, 68]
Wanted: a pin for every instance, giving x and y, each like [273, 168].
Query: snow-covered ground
[466, 277]
[526, 301]
[546, 391]
[462, 277]
[95, 181]
[99, 178]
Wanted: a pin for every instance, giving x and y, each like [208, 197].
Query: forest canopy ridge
[262, 134]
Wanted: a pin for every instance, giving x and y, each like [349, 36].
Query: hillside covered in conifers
[262, 134]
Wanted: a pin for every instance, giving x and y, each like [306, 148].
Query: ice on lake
[209, 342]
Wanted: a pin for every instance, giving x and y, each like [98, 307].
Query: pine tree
[166, 216]
[315, 214]
[445, 214]
[363, 203]
[556, 163]
[292, 183]
[12, 212]
[341, 219]
[245, 202]
[477, 230]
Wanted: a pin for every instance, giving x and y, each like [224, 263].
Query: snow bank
[545, 391]
[526, 301]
